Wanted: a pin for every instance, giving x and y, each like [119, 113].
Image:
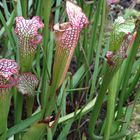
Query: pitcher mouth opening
[62, 27]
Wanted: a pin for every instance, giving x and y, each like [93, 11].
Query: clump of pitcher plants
[38, 89]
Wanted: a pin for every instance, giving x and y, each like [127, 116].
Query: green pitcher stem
[48, 106]
[5, 98]
[18, 110]
[26, 62]
[111, 106]
[29, 105]
[50, 103]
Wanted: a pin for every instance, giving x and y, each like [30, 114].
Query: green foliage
[94, 81]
